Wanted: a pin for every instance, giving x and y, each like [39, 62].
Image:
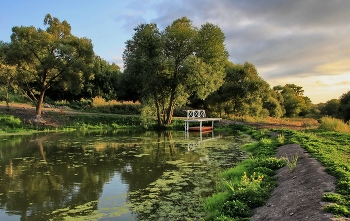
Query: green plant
[292, 162]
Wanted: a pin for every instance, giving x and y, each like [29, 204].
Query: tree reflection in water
[95, 175]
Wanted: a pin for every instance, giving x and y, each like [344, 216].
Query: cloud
[286, 40]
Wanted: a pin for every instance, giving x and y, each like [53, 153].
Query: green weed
[291, 162]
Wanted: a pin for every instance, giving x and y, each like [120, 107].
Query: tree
[242, 92]
[49, 57]
[175, 64]
[294, 101]
[344, 108]
[331, 108]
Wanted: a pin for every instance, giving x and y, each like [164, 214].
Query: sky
[302, 42]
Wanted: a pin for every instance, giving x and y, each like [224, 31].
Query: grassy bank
[248, 185]
[83, 121]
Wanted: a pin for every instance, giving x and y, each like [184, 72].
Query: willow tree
[175, 63]
[48, 57]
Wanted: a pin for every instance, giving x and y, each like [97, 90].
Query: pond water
[112, 175]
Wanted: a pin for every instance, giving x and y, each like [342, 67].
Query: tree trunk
[7, 93]
[158, 111]
[7, 99]
[40, 103]
[170, 111]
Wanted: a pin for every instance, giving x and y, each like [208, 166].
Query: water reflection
[100, 175]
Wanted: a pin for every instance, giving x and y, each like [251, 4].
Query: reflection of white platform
[195, 143]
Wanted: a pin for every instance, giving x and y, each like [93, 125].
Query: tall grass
[334, 125]
[99, 104]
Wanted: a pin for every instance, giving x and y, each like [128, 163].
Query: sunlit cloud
[335, 67]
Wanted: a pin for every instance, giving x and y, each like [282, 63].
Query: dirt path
[299, 193]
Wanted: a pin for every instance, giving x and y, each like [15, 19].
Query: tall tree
[48, 57]
[176, 63]
[242, 93]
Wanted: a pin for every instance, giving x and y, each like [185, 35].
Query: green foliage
[81, 121]
[333, 197]
[292, 162]
[330, 108]
[334, 125]
[216, 202]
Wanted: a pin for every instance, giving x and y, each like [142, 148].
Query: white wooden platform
[200, 117]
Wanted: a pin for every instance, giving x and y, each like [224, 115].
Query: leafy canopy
[171, 65]
[48, 57]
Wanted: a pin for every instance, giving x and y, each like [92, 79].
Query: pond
[112, 175]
